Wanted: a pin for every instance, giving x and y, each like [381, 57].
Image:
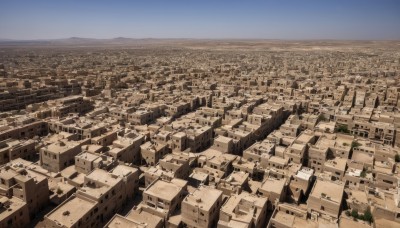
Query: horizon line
[191, 38]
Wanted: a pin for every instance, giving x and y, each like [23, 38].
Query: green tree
[59, 191]
[368, 215]
[343, 128]
[354, 214]
[355, 144]
[363, 173]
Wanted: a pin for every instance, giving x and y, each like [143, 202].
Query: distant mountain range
[88, 41]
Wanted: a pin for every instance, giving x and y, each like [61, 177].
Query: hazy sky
[280, 19]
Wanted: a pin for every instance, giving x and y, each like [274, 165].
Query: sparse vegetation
[59, 191]
[322, 118]
[354, 214]
[363, 173]
[343, 129]
[366, 216]
[355, 144]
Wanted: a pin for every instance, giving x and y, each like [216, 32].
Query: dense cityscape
[199, 133]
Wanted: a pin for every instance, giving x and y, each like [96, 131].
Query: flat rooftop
[304, 137]
[166, 190]
[328, 190]
[305, 173]
[243, 199]
[88, 156]
[121, 222]
[144, 218]
[123, 170]
[102, 176]
[14, 205]
[298, 146]
[279, 160]
[70, 212]
[203, 197]
[336, 163]
[222, 139]
[61, 146]
[273, 185]
[294, 221]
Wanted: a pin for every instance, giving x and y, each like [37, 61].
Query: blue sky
[280, 19]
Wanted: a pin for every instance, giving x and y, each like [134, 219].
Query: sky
[202, 19]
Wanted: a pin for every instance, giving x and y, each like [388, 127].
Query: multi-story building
[127, 149]
[102, 195]
[13, 212]
[163, 197]
[325, 199]
[59, 155]
[12, 149]
[201, 207]
[19, 181]
[243, 210]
